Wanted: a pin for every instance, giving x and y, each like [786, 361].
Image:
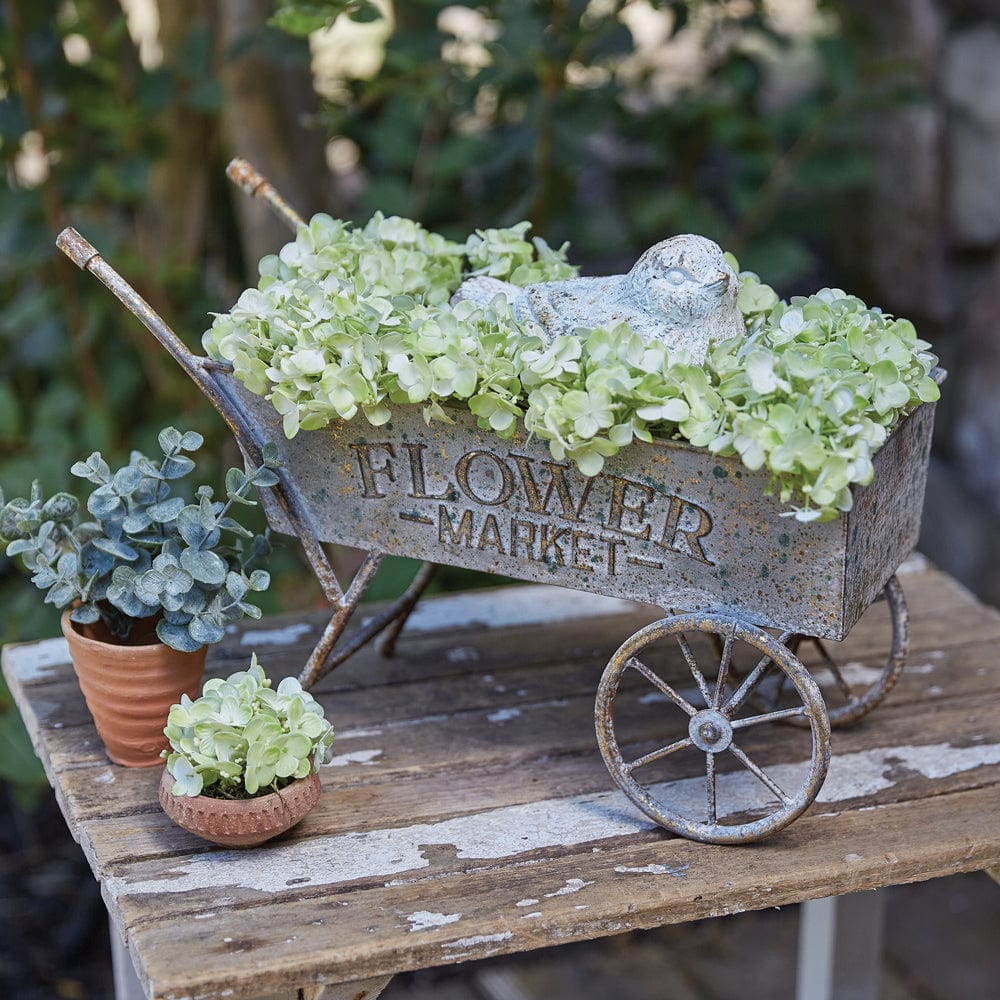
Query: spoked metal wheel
[712, 761]
[852, 683]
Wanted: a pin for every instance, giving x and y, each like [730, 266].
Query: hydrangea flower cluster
[347, 319]
[241, 738]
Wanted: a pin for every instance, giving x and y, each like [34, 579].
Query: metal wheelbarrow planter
[665, 524]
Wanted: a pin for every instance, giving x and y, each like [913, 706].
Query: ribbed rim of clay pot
[129, 691]
[240, 822]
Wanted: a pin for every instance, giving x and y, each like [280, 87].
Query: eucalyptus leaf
[177, 637]
[117, 550]
[206, 567]
[176, 467]
[165, 511]
[85, 614]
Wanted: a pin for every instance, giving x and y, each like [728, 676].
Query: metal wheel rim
[857, 708]
[774, 651]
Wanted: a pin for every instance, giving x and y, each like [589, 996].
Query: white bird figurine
[681, 292]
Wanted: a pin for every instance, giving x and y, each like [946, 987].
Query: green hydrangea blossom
[241, 738]
[357, 319]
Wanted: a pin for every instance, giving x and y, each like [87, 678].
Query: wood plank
[462, 775]
[61, 707]
[287, 639]
[487, 791]
[616, 888]
[863, 774]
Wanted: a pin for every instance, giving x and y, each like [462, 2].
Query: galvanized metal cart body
[664, 523]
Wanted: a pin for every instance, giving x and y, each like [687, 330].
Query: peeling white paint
[915, 563]
[678, 872]
[855, 674]
[530, 605]
[512, 830]
[582, 906]
[366, 757]
[423, 920]
[472, 942]
[864, 773]
[462, 654]
[504, 715]
[572, 885]
[526, 902]
[104, 778]
[532, 915]
[357, 734]
[36, 661]
[851, 858]
[652, 697]
[275, 636]
[204, 916]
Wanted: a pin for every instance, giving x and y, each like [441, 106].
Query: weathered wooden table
[468, 812]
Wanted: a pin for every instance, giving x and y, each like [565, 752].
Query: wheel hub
[710, 731]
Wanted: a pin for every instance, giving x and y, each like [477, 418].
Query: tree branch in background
[265, 111]
[55, 216]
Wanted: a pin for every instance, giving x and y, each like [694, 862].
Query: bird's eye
[676, 276]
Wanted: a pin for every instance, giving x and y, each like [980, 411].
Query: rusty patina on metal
[715, 725]
[664, 523]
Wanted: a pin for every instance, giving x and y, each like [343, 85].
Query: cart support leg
[840, 947]
[387, 642]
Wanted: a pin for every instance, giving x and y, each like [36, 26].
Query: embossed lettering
[584, 556]
[550, 540]
[369, 471]
[523, 533]
[464, 467]
[446, 527]
[489, 537]
[685, 540]
[418, 481]
[620, 506]
[558, 483]
[613, 545]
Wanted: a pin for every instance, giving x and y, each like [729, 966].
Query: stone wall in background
[931, 251]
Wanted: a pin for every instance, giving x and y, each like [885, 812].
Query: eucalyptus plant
[242, 738]
[148, 552]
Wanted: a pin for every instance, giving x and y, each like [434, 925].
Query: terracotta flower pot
[129, 689]
[240, 822]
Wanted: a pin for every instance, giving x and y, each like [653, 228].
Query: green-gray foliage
[347, 319]
[147, 552]
[241, 739]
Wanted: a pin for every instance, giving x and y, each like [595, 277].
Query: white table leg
[840, 947]
[127, 986]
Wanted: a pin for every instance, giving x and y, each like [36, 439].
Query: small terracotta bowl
[243, 822]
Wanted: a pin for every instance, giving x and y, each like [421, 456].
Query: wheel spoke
[831, 664]
[759, 773]
[699, 677]
[657, 754]
[724, 662]
[710, 786]
[745, 689]
[661, 685]
[758, 720]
